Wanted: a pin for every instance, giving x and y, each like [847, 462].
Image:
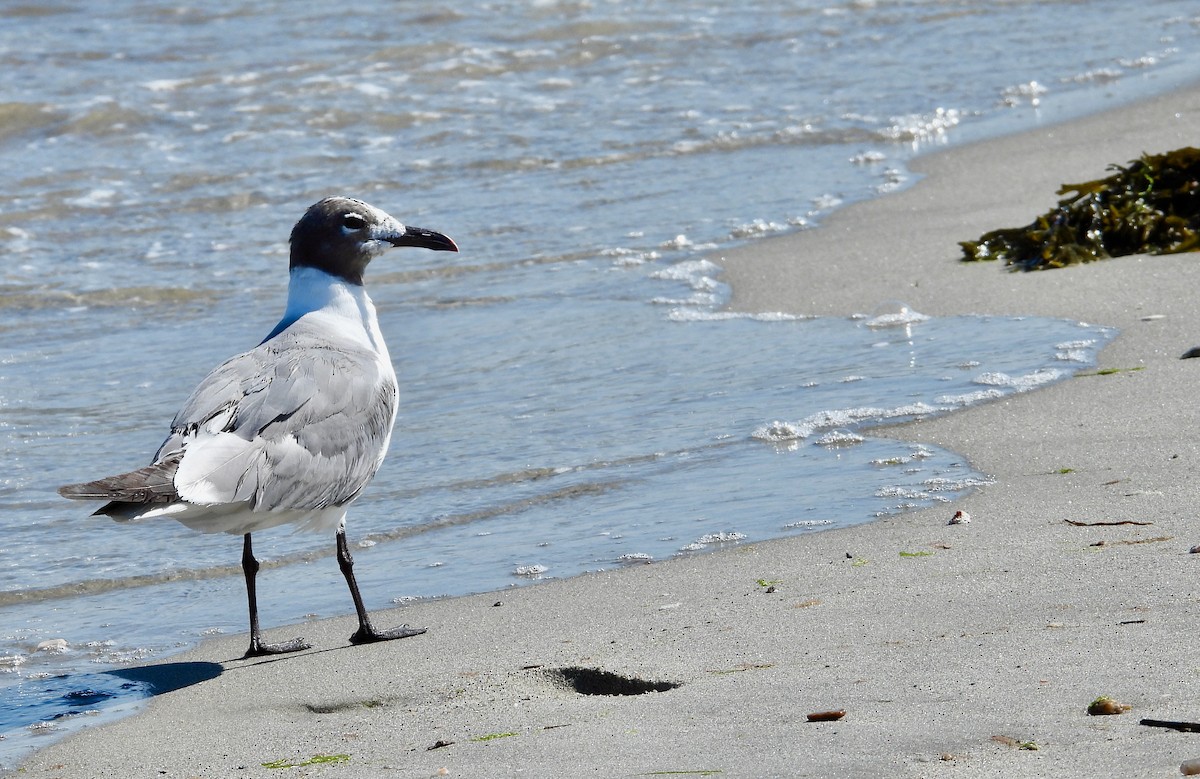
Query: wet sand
[955, 650]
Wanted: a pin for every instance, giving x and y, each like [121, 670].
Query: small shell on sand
[959, 518]
[1106, 705]
[827, 716]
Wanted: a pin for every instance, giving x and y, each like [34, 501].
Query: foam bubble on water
[781, 431]
[759, 227]
[53, 646]
[918, 452]
[923, 127]
[1146, 60]
[900, 315]
[710, 539]
[868, 157]
[11, 663]
[371, 90]
[1096, 76]
[837, 438]
[97, 198]
[702, 315]
[968, 398]
[623, 257]
[893, 179]
[122, 656]
[699, 276]
[1075, 351]
[826, 202]
[688, 271]
[937, 484]
[157, 251]
[165, 84]
[842, 417]
[847, 417]
[635, 557]
[1020, 383]
[808, 523]
[900, 491]
[1073, 355]
[530, 571]
[1030, 92]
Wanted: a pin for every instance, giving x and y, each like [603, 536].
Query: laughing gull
[291, 431]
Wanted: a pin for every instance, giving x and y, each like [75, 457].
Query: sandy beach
[955, 650]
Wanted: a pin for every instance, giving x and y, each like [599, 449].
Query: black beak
[426, 239]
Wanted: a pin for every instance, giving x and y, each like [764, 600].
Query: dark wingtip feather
[152, 484]
[86, 491]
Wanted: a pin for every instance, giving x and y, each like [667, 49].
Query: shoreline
[950, 647]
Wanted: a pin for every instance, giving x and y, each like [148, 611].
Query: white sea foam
[969, 398]
[900, 316]
[760, 227]
[96, 198]
[944, 484]
[837, 438]
[900, 491]
[688, 271]
[781, 431]
[166, 84]
[710, 539]
[868, 157]
[708, 315]
[846, 417]
[1080, 351]
[1097, 76]
[1023, 383]
[11, 663]
[809, 523]
[1030, 92]
[923, 127]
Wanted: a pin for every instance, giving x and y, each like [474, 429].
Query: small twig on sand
[1105, 524]
[1186, 727]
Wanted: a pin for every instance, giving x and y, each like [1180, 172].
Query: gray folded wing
[295, 423]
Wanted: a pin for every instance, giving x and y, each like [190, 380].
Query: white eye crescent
[353, 222]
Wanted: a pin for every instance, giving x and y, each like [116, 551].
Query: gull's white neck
[315, 292]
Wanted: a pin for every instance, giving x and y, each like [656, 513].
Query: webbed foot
[259, 649]
[369, 635]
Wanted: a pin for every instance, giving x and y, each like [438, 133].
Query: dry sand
[946, 664]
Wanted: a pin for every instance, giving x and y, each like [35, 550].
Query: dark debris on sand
[1151, 206]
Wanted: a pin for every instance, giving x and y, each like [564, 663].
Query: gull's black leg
[366, 633]
[257, 647]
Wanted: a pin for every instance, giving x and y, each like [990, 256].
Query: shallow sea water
[574, 397]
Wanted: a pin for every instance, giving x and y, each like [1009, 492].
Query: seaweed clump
[1152, 206]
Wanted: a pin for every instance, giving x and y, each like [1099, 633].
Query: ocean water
[574, 395]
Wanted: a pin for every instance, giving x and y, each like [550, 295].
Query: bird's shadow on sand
[58, 698]
[168, 677]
